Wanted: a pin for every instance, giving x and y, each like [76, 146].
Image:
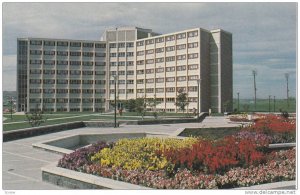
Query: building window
[150, 61]
[181, 78]
[182, 46]
[75, 91]
[75, 63]
[62, 43]
[62, 90]
[159, 50]
[100, 63]
[62, 72]
[130, 44]
[100, 55]
[158, 70]
[112, 45]
[140, 53]
[140, 81]
[170, 38]
[113, 73]
[170, 89]
[86, 72]
[49, 43]
[62, 53]
[159, 40]
[130, 91]
[113, 63]
[35, 71]
[170, 59]
[159, 90]
[170, 99]
[35, 90]
[75, 72]
[121, 91]
[192, 99]
[160, 80]
[100, 82]
[87, 63]
[61, 81]
[87, 54]
[62, 62]
[140, 72]
[49, 81]
[149, 90]
[35, 81]
[130, 63]
[113, 55]
[181, 36]
[121, 72]
[33, 42]
[87, 81]
[149, 80]
[130, 72]
[75, 82]
[181, 89]
[121, 45]
[193, 55]
[140, 62]
[75, 100]
[170, 69]
[100, 45]
[88, 91]
[149, 71]
[193, 34]
[49, 91]
[49, 72]
[49, 62]
[35, 52]
[181, 68]
[75, 53]
[88, 45]
[75, 44]
[121, 54]
[193, 45]
[49, 53]
[130, 81]
[129, 54]
[193, 67]
[36, 62]
[61, 100]
[170, 79]
[140, 43]
[170, 48]
[100, 72]
[122, 63]
[181, 57]
[193, 77]
[150, 51]
[158, 60]
[149, 42]
[140, 90]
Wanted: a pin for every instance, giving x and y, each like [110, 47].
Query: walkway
[22, 163]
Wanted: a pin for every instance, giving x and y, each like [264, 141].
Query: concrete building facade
[74, 75]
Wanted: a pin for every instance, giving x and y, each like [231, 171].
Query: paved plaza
[21, 169]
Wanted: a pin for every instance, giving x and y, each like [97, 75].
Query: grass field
[262, 105]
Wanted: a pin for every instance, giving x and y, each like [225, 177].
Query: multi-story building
[74, 75]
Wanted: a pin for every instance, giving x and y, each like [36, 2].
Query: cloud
[9, 72]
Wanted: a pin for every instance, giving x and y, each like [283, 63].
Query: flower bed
[235, 161]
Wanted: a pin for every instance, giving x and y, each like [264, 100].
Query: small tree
[36, 117]
[152, 103]
[181, 100]
[140, 106]
[130, 105]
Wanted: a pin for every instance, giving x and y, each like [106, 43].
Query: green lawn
[262, 105]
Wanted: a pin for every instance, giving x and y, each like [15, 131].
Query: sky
[264, 34]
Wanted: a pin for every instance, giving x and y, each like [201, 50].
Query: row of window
[121, 54]
[122, 82]
[167, 90]
[166, 69]
[51, 91]
[168, 79]
[122, 72]
[63, 62]
[66, 43]
[66, 72]
[66, 53]
[122, 91]
[168, 38]
[167, 49]
[63, 81]
[121, 63]
[121, 45]
[167, 59]
[65, 100]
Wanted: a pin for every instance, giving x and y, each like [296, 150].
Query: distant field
[262, 105]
